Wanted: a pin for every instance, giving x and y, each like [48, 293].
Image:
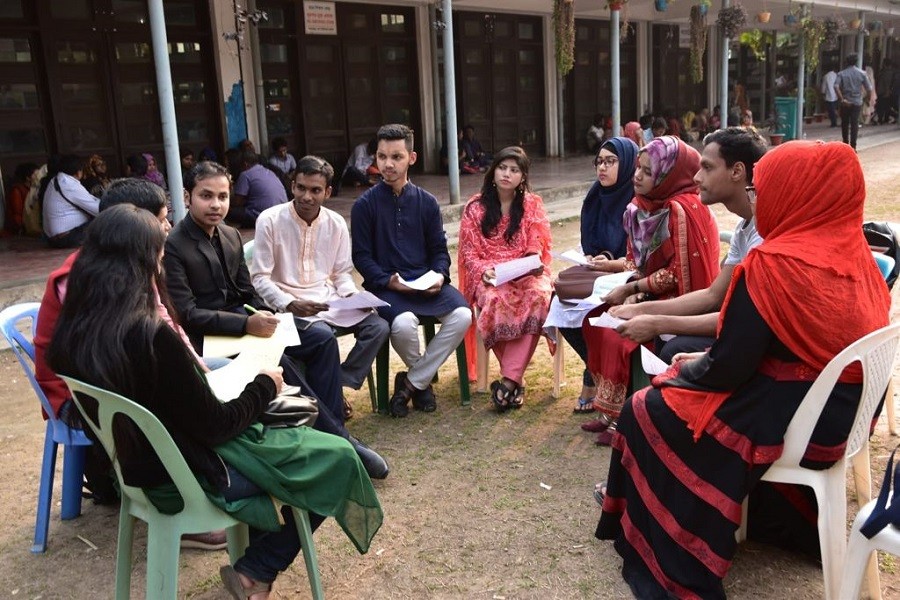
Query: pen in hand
[250, 309]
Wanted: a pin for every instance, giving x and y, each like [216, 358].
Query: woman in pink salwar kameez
[505, 222]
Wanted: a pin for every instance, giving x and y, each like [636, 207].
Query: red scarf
[813, 279]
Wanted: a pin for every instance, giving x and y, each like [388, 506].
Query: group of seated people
[747, 342]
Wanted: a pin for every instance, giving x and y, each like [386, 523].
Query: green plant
[810, 97]
[564, 27]
[833, 27]
[757, 42]
[813, 33]
[698, 42]
[731, 19]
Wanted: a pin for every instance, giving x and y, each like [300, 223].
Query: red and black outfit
[688, 450]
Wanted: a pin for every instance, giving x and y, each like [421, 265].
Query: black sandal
[518, 398]
[501, 396]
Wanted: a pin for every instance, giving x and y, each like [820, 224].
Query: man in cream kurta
[301, 262]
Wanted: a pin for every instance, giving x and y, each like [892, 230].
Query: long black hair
[110, 298]
[491, 200]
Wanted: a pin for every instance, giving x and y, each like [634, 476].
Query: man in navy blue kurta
[398, 235]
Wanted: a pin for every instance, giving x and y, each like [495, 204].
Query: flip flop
[585, 405]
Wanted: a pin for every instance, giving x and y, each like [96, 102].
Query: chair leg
[462, 367]
[45, 494]
[238, 537]
[889, 401]
[309, 552]
[831, 498]
[482, 365]
[859, 552]
[163, 547]
[559, 368]
[382, 374]
[862, 476]
[73, 477]
[373, 394]
[123, 551]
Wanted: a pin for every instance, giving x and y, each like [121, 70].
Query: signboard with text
[319, 18]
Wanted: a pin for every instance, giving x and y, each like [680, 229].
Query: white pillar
[615, 67]
[723, 74]
[450, 95]
[166, 105]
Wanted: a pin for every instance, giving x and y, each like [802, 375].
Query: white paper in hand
[424, 282]
[607, 283]
[653, 365]
[357, 301]
[507, 271]
[606, 320]
[573, 256]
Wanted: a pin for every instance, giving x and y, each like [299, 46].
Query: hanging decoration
[564, 27]
[698, 41]
[732, 19]
[833, 27]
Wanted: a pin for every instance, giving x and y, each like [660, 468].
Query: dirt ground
[476, 506]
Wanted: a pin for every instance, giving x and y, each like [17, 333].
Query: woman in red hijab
[688, 450]
[673, 248]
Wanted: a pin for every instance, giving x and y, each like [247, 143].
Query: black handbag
[290, 411]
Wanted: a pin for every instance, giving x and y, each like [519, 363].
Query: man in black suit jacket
[209, 284]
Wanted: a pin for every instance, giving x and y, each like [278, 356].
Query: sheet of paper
[223, 345]
[228, 382]
[606, 320]
[653, 365]
[666, 336]
[573, 256]
[607, 283]
[344, 318]
[356, 301]
[424, 282]
[509, 270]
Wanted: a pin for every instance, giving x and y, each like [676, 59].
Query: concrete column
[435, 82]
[615, 68]
[450, 95]
[723, 75]
[252, 36]
[166, 105]
[801, 87]
[644, 80]
[551, 93]
[429, 91]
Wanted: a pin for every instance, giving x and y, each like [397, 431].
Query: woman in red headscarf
[673, 248]
[688, 450]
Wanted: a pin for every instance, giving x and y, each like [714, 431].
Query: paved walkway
[25, 263]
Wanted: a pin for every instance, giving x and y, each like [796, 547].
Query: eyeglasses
[751, 193]
[607, 161]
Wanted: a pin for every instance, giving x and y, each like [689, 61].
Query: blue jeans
[269, 552]
[318, 350]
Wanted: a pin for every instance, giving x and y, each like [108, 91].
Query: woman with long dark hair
[505, 221]
[110, 334]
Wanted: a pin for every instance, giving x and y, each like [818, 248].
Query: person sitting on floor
[68, 207]
[475, 154]
[301, 262]
[257, 188]
[281, 158]
[398, 236]
[505, 221]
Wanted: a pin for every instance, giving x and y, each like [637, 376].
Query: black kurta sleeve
[735, 356]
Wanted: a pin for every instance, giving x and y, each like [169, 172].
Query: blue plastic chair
[74, 441]
[885, 263]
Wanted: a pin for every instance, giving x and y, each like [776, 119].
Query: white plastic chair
[860, 549]
[876, 353]
[483, 366]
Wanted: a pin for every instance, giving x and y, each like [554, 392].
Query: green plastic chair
[382, 370]
[164, 531]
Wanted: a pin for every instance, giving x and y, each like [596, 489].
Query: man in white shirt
[726, 173]
[302, 261]
[68, 206]
[831, 100]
